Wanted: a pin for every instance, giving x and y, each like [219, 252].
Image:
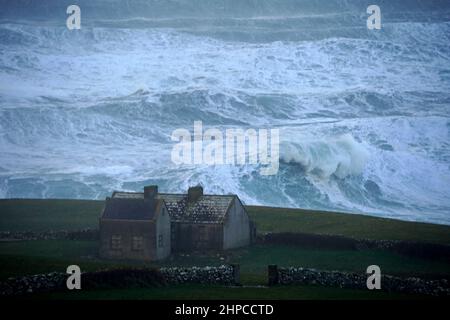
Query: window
[116, 242]
[160, 241]
[137, 243]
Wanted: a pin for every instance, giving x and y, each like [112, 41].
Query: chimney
[194, 193]
[150, 192]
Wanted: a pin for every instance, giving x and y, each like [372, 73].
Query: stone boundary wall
[225, 274]
[122, 278]
[82, 234]
[333, 242]
[304, 276]
[54, 281]
[316, 241]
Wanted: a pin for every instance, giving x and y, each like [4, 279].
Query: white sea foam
[364, 117]
[341, 156]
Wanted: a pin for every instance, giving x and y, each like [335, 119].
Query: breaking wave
[363, 116]
[341, 156]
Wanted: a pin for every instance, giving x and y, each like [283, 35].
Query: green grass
[31, 257]
[255, 259]
[40, 215]
[16, 266]
[42, 256]
[51, 248]
[351, 225]
[202, 292]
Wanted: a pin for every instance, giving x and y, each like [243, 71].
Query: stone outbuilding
[198, 222]
[207, 222]
[135, 228]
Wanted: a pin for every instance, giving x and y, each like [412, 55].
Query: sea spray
[340, 156]
[363, 113]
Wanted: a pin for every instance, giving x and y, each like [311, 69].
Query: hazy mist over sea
[364, 115]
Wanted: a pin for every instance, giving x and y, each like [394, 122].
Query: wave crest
[341, 157]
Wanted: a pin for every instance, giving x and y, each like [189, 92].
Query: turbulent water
[364, 115]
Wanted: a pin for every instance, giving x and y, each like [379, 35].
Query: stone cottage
[207, 222]
[135, 227]
[197, 221]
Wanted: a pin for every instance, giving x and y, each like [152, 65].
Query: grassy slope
[28, 257]
[350, 225]
[39, 215]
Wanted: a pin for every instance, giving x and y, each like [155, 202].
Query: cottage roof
[206, 209]
[130, 208]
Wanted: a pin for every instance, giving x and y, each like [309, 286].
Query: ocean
[363, 115]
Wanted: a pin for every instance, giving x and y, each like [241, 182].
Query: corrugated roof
[207, 209]
[129, 209]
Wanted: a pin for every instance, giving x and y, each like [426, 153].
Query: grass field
[28, 257]
[40, 215]
[202, 292]
[351, 225]
[41, 256]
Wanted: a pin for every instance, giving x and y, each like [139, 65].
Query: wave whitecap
[342, 156]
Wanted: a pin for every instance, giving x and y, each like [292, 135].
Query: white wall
[236, 229]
